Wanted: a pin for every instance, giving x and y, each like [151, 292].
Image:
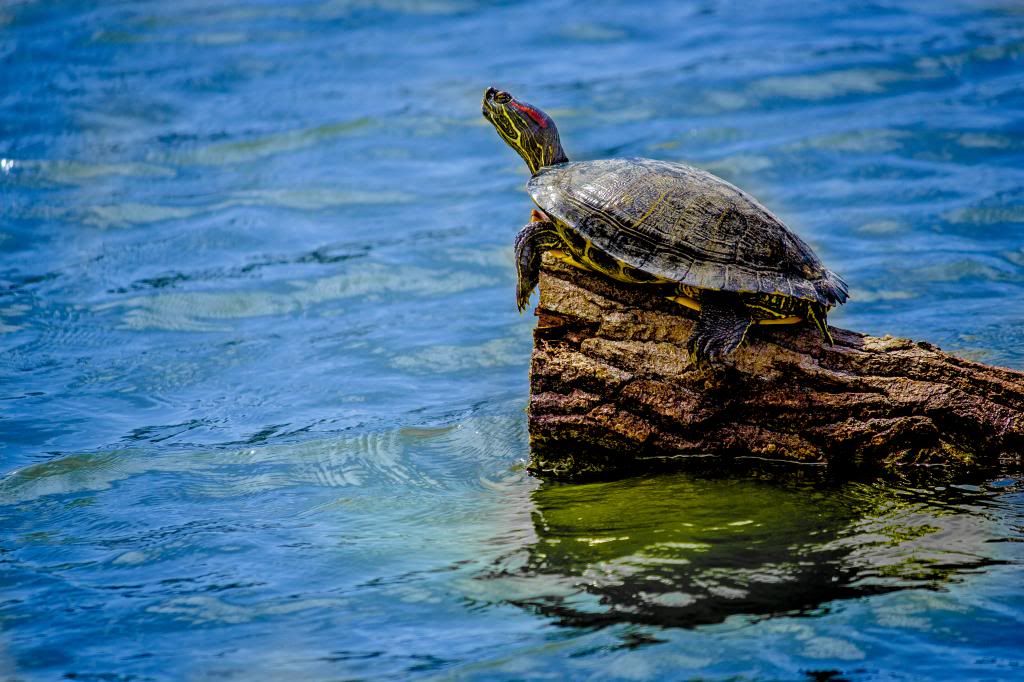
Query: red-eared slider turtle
[664, 223]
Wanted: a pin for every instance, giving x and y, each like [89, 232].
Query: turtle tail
[832, 289]
[817, 314]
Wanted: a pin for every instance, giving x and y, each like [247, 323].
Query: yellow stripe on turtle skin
[792, 319]
[820, 324]
[695, 305]
[686, 301]
[544, 154]
[565, 257]
[773, 314]
[778, 318]
[584, 262]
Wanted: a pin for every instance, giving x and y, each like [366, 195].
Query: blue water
[263, 378]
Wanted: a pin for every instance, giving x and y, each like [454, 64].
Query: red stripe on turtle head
[537, 117]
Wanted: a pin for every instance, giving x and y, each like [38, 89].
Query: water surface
[263, 378]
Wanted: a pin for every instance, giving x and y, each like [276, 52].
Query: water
[264, 380]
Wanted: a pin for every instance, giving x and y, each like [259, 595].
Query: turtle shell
[683, 224]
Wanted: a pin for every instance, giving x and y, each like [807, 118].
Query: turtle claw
[719, 331]
[531, 242]
[708, 351]
[523, 295]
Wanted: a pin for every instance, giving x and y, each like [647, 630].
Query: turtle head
[525, 128]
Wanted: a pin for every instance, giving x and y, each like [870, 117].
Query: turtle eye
[502, 97]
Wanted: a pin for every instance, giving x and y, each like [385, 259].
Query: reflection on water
[684, 551]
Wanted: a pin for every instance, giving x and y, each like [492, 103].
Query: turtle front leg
[720, 329]
[533, 240]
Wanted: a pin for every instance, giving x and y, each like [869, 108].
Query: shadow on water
[685, 551]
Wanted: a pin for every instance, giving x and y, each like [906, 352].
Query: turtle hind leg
[533, 240]
[720, 329]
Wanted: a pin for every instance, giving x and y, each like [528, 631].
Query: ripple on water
[252, 150]
[204, 610]
[133, 214]
[408, 458]
[201, 311]
[830, 84]
[503, 352]
[987, 215]
[76, 172]
[55, 328]
[862, 141]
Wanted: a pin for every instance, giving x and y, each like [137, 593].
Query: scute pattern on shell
[684, 224]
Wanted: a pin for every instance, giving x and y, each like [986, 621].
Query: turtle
[712, 247]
